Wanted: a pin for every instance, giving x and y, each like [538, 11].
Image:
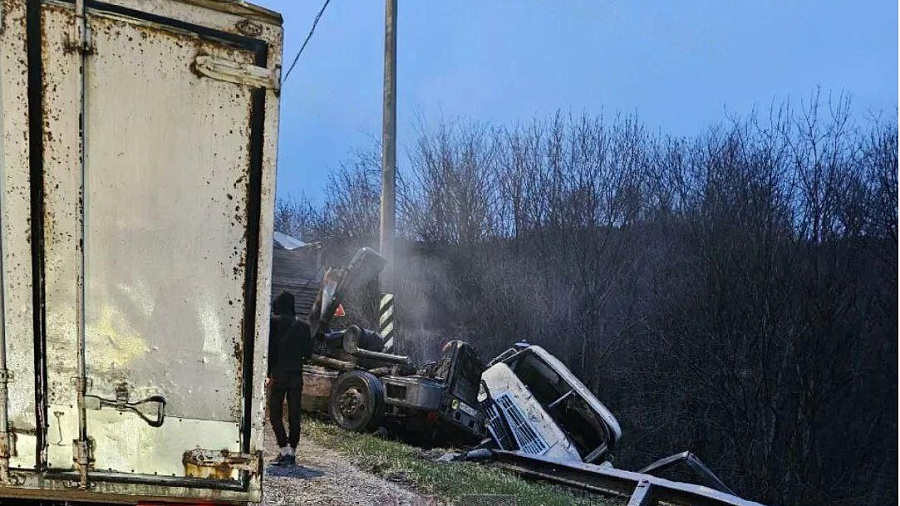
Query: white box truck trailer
[137, 174]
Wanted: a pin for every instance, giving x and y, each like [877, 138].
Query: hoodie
[289, 339]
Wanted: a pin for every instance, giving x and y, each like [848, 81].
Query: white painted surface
[15, 207]
[166, 215]
[501, 380]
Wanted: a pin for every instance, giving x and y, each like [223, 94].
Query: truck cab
[536, 406]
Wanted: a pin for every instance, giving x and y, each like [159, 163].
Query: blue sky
[679, 65]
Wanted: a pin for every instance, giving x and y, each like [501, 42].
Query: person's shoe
[285, 457]
[288, 460]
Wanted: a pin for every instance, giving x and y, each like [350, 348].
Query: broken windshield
[571, 412]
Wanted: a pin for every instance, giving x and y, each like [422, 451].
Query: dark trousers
[280, 389]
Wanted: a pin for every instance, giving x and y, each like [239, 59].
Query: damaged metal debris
[524, 410]
[362, 387]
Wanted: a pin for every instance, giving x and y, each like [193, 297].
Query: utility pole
[388, 174]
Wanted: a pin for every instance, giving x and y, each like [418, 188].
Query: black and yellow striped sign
[386, 320]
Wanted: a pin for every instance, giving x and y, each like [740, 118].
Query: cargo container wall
[137, 172]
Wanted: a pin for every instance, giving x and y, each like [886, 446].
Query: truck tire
[357, 401]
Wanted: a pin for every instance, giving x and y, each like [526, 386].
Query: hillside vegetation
[448, 481]
[733, 294]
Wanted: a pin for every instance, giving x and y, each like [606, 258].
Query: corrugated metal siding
[297, 272]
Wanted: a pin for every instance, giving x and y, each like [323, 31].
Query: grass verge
[411, 467]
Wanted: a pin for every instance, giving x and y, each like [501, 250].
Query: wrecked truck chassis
[640, 489]
[420, 393]
[405, 397]
[539, 440]
[353, 379]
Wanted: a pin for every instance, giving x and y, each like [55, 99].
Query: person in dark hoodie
[290, 344]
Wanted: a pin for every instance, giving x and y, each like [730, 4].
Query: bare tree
[297, 217]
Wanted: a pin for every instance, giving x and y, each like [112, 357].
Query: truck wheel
[357, 401]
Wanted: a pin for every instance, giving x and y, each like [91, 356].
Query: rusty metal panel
[166, 214]
[164, 290]
[175, 192]
[127, 444]
[62, 254]
[218, 14]
[317, 382]
[222, 18]
[15, 207]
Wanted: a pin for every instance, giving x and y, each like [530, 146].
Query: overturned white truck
[538, 407]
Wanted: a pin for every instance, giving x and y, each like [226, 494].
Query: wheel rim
[352, 405]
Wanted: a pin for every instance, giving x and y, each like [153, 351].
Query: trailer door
[151, 224]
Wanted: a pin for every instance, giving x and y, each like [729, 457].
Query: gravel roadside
[324, 477]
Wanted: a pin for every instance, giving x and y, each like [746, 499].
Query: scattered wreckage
[525, 408]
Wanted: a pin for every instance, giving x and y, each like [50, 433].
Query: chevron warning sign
[386, 320]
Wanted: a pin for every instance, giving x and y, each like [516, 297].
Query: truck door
[152, 175]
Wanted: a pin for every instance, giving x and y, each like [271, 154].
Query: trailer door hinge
[238, 73]
[83, 453]
[78, 40]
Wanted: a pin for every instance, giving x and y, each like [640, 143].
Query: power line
[309, 36]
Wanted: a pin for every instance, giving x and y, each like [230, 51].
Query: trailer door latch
[122, 403]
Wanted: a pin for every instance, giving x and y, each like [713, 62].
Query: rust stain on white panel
[266, 231]
[166, 209]
[128, 444]
[165, 219]
[62, 180]
[15, 198]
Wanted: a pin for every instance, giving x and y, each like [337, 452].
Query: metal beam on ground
[638, 488]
